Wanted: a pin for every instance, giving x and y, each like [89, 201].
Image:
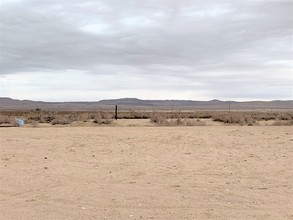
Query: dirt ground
[209, 172]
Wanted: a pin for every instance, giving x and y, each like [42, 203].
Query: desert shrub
[14, 124]
[202, 115]
[285, 116]
[84, 117]
[234, 118]
[61, 121]
[103, 118]
[272, 116]
[266, 116]
[8, 120]
[249, 121]
[175, 115]
[158, 119]
[162, 120]
[283, 123]
[173, 122]
[193, 122]
[138, 115]
[225, 118]
[5, 119]
[39, 116]
[34, 124]
[134, 115]
[61, 117]
[178, 121]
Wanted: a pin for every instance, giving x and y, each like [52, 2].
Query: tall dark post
[116, 112]
[230, 112]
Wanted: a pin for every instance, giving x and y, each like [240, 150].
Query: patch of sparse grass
[61, 121]
[234, 118]
[34, 124]
[8, 120]
[103, 118]
[158, 118]
[283, 123]
[285, 116]
[161, 120]
[193, 122]
[5, 119]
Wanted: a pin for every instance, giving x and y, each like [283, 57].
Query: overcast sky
[65, 50]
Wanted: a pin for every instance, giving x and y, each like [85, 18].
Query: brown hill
[8, 104]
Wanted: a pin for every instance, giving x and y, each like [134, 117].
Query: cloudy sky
[65, 50]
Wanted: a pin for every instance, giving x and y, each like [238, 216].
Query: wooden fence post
[116, 112]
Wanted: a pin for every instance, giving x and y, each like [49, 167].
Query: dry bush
[8, 120]
[193, 122]
[14, 124]
[285, 116]
[103, 118]
[173, 122]
[134, 115]
[39, 116]
[202, 115]
[184, 122]
[234, 118]
[283, 123]
[162, 120]
[34, 124]
[61, 121]
[63, 117]
[5, 119]
[84, 117]
[138, 115]
[266, 116]
[169, 115]
[158, 119]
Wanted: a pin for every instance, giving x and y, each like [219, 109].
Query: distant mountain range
[8, 104]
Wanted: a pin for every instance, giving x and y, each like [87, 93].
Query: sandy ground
[211, 172]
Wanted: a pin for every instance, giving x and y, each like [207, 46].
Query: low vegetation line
[37, 116]
[158, 118]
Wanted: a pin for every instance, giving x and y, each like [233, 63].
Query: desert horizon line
[141, 99]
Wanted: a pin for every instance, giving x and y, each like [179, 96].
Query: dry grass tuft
[162, 120]
[34, 124]
[8, 121]
[158, 118]
[234, 118]
[283, 123]
[103, 118]
[61, 121]
[193, 122]
[5, 119]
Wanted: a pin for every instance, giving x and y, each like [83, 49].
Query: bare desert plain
[146, 172]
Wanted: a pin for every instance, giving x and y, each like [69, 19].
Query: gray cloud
[179, 45]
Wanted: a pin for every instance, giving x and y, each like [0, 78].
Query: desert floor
[209, 172]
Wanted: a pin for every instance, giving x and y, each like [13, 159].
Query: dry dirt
[212, 172]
